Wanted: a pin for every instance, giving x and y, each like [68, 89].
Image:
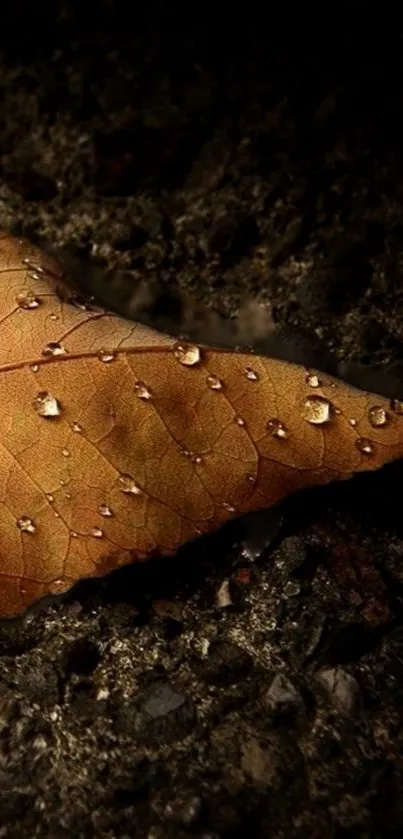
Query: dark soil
[228, 692]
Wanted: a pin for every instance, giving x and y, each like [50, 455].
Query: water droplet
[97, 532]
[214, 382]
[251, 374]
[187, 354]
[77, 427]
[46, 405]
[142, 391]
[397, 406]
[26, 525]
[291, 589]
[27, 300]
[79, 303]
[32, 265]
[74, 534]
[54, 348]
[65, 453]
[50, 498]
[128, 485]
[240, 421]
[378, 416]
[277, 428]
[229, 507]
[56, 586]
[195, 458]
[53, 316]
[34, 368]
[353, 422]
[105, 511]
[106, 356]
[317, 410]
[364, 445]
[312, 380]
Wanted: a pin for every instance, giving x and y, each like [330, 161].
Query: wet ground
[223, 693]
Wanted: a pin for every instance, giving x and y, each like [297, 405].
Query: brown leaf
[119, 444]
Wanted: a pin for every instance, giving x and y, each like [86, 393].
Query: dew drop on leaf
[105, 511]
[26, 525]
[34, 368]
[240, 421]
[317, 410]
[27, 300]
[46, 405]
[312, 380]
[229, 507]
[277, 428]
[106, 356]
[352, 422]
[97, 532]
[364, 445]
[128, 485]
[251, 374]
[65, 453]
[214, 382]
[77, 427]
[56, 586]
[142, 391]
[397, 406]
[187, 354]
[378, 416]
[54, 348]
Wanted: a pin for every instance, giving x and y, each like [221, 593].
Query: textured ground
[219, 694]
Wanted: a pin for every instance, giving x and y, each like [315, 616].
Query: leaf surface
[118, 443]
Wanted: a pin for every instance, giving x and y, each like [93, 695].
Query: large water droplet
[97, 532]
[251, 374]
[54, 348]
[364, 445]
[46, 405]
[214, 382]
[106, 356]
[26, 525]
[27, 300]
[105, 511]
[317, 410]
[277, 428]
[397, 406]
[378, 416]
[187, 354]
[312, 380]
[128, 485]
[142, 391]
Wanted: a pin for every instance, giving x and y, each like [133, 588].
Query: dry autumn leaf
[118, 443]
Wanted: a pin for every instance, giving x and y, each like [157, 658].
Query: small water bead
[32, 265]
[251, 374]
[128, 485]
[54, 348]
[353, 422]
[312, 380]
[65, 453]
[46, 405]
[105, 511]
[53, 316]
[27, 300]
[277, 428]
[378, 416]
[240, 421]
[26, 525]
[364, 445]
[187, 354]
[76, 427]
[397, 406]
[317, 410]
[106, 356]
[142, 391]
[214, 382]
[97, 532]
[229, 507]
[34, 368]
[50, 498]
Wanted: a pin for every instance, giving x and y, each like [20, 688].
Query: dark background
[229, 156]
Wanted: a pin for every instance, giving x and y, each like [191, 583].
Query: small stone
[341, 688]
[282, 696]
[163, 714]
[226, 664]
